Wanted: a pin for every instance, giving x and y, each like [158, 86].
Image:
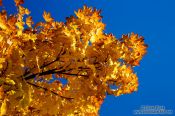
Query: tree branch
[46, 89]
[39, 74]
[57, 58]
[53, 71]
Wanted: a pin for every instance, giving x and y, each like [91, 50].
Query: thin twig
[46, 89]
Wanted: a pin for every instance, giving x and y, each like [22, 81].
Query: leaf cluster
[33, 59]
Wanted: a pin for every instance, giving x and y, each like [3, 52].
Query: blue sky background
[153, 19]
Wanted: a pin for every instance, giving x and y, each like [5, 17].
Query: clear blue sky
[153, 19]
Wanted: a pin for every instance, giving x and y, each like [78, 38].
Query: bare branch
[46, 89]
[57, 58]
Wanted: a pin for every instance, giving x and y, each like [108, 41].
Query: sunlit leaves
[33, 58]
[3, 17]
[3, 108]
[29, 21]
[2, 60]
[19, 2]
[47, 17]
[23, 11]
[135, 48]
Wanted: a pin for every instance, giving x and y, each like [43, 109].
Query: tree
[33, 59]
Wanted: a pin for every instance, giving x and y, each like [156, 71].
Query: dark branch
[57, 58]
[39, 74]
[53, 71]
[46, 89]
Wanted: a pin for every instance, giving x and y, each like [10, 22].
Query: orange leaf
[19, 2]
[47, 17]
[0, 2]
[29, 21]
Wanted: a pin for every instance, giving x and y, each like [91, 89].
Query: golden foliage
[33, 59]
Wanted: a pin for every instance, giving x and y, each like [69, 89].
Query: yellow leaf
[10, 81]
[20, 25]
[47, 17]
[1, 66]
[2, 60]
[23, 11]
[12, 92]
[29, 37]
[3, 26]
[3, 17]
[29, 21]
[3, 108]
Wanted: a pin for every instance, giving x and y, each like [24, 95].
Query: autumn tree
[33, 59]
